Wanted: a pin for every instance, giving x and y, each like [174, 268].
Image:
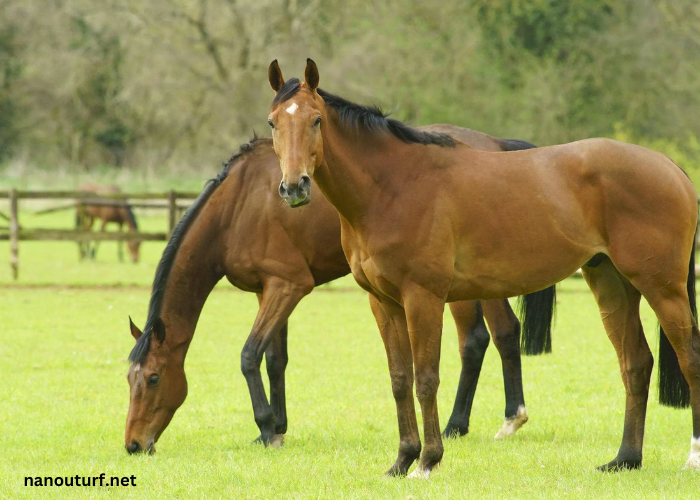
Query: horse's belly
[512, 271]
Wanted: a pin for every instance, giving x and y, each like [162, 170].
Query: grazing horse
[427, 220]
[238, 228]
[87, 213]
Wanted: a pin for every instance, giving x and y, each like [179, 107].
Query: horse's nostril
[134, 447]
[283, 189]
[304, 182]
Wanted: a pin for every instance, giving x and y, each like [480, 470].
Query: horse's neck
[352, 171]
[191, 280]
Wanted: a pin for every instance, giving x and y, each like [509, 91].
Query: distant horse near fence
[86, 214]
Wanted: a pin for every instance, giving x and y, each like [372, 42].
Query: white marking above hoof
[291, 109]
[419, 473]
[277, 441]
[511, 425]
[693, 462]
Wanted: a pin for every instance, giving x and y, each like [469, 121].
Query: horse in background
[86, 214]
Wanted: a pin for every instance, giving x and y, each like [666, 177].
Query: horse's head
[296, 118]
[158, 387]
[134, 250]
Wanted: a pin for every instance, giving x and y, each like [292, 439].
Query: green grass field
[64, 399]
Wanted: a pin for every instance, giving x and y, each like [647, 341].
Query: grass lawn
[64, 400]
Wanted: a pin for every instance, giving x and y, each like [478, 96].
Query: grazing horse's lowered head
[157, 385]
[295, 119]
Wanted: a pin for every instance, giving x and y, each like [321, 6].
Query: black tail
[537, 312]
[673, 388]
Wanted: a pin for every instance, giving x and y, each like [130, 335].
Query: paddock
[66, 398]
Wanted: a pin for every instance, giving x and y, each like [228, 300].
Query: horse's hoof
[620, 465]
[452, 432]
[693, 462]
[277, 441]
[512, 424]
[419, 473]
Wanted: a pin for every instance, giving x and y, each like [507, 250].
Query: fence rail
[14, 232]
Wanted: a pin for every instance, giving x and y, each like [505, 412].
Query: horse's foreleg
[276, 362]
[618, 302]
[505, 329]
[391, 321]
[279, 298]
[473, 341]
[96, 245]
[424, 312]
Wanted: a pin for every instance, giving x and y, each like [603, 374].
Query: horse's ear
[274, 73]
[311, 74]
[159, 329]
[135, 332]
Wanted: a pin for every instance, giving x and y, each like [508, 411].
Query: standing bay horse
[237, 228]
[427, 220]
[121, 214]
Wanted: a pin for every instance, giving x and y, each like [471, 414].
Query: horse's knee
[507, 340]
[476, 343]
[427, 383]
[249, 362]
[401, 385]
[639, 373]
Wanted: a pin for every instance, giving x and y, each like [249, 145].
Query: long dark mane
[370, 118]
[140, 350]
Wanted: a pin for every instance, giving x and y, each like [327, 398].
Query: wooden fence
[15, 232]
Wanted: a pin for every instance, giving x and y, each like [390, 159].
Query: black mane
[140, 350]
[371, 118]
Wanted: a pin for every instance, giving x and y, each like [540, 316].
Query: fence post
[14, 235]
[172, 212]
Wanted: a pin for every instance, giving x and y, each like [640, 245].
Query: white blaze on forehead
[291, 109]
[137, 367]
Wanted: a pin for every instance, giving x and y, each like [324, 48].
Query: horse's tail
[537, 312]
[673, 388]
[132, 217]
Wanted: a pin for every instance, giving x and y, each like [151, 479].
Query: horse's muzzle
[135, 447]
[297, 194]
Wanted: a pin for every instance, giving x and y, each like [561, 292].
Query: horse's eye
[317, 122]
[272, 125]
[153, 380]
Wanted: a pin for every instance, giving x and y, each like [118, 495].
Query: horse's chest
[370, 270]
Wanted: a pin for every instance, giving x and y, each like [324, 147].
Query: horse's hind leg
[276, 359]
[505, 329]
[473, 341]
[673, 312]
[618, 302]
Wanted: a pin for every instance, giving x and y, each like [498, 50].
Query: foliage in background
[180, 83]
